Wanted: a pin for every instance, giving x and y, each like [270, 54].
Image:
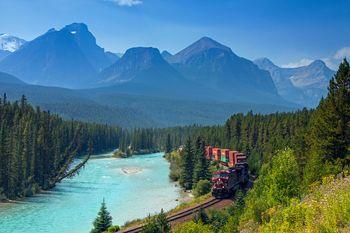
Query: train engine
[227, 181]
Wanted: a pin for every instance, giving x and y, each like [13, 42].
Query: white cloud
[342, 53]
[302, 62]
[127, 2]
[331, 63]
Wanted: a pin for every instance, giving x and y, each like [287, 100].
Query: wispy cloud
[302, 62]
[332, 62]
[342, 53]
[127, 2]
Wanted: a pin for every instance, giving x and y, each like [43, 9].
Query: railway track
[179, 215]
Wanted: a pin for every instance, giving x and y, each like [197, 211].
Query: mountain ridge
[303, 85]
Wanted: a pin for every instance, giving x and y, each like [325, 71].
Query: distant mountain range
[303, 85]
[203, 83]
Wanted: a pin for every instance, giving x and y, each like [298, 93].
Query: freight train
[226, 182]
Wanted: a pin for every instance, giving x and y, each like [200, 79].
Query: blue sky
[289, 32]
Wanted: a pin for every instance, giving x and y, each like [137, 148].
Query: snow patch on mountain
[10, 43]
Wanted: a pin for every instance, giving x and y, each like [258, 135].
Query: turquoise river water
[132, 188]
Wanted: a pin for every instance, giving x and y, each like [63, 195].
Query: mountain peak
[76, 27]
[264, 62]
[207, 43]
[143, 54]
[318, 63]
[10, 43]
[202, 45]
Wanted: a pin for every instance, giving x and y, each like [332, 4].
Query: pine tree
[201, 164]
[151, 225]
[201, 216]
[330, 124]
[162, 222]
[103, 221]
[186, 176]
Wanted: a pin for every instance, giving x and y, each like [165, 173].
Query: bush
[202, 187]
[113, 229]
[192, 227]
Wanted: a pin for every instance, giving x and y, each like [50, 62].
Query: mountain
[215, 65]
[68, 57]
[10, 43]
[3, 54]
[166, 55]
[302, 85]
[86, 41]
[143, 71]
[9, 79]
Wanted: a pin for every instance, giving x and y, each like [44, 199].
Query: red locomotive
[226, 182]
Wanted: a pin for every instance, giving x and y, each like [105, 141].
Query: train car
[217, 154]
[226, 182]
[209, 152]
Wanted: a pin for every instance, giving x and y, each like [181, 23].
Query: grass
[182, 206]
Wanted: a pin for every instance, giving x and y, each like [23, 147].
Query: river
[132, 188]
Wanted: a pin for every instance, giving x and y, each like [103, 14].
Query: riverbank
[129, 153]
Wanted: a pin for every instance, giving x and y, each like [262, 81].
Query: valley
[174, 116]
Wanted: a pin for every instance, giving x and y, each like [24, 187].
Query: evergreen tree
[201, 216]
[162, 222]
[186, 175]
[201, 163]
[151, 225]
[103, 221]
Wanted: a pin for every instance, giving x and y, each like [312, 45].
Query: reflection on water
[132, 188]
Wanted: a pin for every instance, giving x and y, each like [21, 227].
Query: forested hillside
[255, 134]
[302, 160]
[35, 146]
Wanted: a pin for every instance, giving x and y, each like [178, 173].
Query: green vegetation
[174, 159]
[194, 166]
[156, 224]
[103, 221]
[37, 147]
[202, 187]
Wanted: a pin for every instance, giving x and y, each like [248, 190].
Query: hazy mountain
[9, 79]
[113, 57]
[216, 66]
[143, 71]
[87, 43]
[68, 57]
[3, 54]
[302, 85]
[166, 55]
[128, 110]
[10, 43]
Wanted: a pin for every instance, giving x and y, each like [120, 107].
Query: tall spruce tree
[103, 221]
[201, 164]
[186, 175]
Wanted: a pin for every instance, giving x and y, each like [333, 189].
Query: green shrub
[202, 187]
[113, 229]
[192, 227]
